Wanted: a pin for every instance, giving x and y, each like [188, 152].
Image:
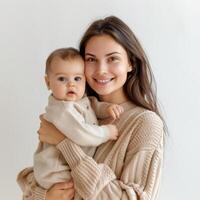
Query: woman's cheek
[89, 70]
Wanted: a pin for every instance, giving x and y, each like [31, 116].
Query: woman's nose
[102, 68]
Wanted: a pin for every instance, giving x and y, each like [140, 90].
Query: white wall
[170, 33]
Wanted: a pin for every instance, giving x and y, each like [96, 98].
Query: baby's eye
[90, 59]
[62, 79]
[77, 78]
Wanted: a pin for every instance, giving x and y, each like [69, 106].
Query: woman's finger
[70, 193]
[63, 185]
[44, 123]
[40, 124]
[41, 117]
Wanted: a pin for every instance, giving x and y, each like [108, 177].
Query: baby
[73, 113]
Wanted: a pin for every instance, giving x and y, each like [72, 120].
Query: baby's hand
[115, 111]
[113, 132]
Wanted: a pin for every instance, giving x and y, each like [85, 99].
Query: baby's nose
[71, 83]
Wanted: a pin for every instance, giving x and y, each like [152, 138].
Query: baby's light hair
[63, 53]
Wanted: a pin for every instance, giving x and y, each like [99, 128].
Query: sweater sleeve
[71, 122]
[140, 176]
[29, 187]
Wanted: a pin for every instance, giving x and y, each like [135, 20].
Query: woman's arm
[141, 172]
[28, 185]
[31, 190]
[140, 176]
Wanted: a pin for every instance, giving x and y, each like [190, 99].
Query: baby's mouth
[71, 93]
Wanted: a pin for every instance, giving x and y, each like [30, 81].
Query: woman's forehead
[103, 45]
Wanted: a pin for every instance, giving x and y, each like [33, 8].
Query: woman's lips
[103, 81]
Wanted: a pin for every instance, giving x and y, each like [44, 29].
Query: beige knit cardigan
[129, 168]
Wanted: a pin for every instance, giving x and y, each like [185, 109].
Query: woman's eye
[78, 78]
[90, 59]
[62, 79]
[112, 59]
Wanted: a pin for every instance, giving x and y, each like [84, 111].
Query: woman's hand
[48, 133]
[61, 191]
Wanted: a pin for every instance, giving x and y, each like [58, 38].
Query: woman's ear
[130, 68]
[47, 82]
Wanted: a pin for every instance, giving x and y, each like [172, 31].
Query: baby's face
[66, 79]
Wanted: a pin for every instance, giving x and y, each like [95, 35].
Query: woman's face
[106, 67]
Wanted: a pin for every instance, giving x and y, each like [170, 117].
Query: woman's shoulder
[142, 115]
[144, 125]
[149, 118]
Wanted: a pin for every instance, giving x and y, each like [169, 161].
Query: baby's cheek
[59, 91]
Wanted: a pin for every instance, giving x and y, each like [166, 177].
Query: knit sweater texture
[77, 120]
[128, 168]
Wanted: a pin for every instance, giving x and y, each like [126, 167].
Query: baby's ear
[47, 82]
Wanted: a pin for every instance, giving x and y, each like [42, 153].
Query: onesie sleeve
[29, 186]
[141, 172]
[70, 121]
[100, 107]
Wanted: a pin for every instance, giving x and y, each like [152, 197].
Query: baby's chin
[72, 98]
[69, 97]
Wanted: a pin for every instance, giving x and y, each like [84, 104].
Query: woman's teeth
[103, 81]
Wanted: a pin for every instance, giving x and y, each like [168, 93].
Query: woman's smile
[104, 80]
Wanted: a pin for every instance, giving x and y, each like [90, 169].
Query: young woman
[117, 71]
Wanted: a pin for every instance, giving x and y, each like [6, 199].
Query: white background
[168, 30]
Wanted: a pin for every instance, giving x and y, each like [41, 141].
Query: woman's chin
[103, 92]
[102, 89]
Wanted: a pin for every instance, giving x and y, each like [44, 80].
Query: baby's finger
[116, 111]
[120, 109]
[113, 115]
[115, 136]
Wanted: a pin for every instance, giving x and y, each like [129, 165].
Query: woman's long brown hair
[140, 86]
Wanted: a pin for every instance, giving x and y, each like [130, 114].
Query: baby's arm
[106, 112]
[114, 111]
[113, 132]
[69, 119]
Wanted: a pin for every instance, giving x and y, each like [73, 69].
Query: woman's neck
[116, 98]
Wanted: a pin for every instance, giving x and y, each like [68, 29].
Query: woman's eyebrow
[108, 54]
[89, 54]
